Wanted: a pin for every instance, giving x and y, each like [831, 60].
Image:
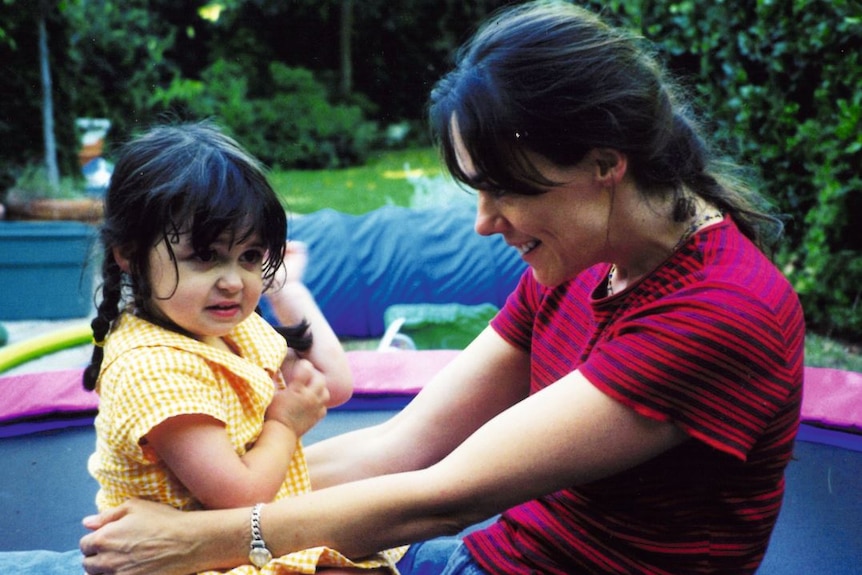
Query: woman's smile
[527, 247]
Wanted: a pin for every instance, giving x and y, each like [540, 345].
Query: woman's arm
[565, 434]
[292, 302]
[488, 377]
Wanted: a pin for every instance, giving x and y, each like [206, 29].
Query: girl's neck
[166, 323]
[219, 343]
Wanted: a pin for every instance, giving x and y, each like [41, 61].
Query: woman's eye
[490, 190]
[493, 193]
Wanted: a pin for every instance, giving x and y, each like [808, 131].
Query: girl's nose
[229, 279]
[488, 218]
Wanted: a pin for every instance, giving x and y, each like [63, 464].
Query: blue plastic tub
[44, 271]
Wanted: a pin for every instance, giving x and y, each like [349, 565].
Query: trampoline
[359, 266]
[46, 489]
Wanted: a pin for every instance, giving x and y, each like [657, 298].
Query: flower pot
[77, 209]
[44, 271]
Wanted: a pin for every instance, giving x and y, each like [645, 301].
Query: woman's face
[559, 233]
[207, 293]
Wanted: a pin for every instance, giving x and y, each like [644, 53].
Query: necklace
[698, 223]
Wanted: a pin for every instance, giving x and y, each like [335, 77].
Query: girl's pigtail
[108, 311]
[298, 336]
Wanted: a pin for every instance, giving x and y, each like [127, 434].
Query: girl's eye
[252, 256]
[206, 256]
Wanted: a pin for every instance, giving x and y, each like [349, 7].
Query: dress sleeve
[147, 386]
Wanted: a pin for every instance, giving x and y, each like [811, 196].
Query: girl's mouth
[224, 309]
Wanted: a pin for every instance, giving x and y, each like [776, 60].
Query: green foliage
[824, 352]
[292, 125]
[781, 81]
[32, 182]
[21, 88]
[118, 51]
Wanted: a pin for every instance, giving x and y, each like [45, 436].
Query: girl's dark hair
[174, 179]
[552, 78]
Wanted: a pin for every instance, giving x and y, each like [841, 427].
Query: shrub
[292, 125]
[782, 82]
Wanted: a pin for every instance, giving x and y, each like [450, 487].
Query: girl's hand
[301, 404]
[295, 261]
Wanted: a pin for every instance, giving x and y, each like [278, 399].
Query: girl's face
[558, 233]
[207, 293]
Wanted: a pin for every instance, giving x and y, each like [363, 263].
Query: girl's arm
[292, 302]
[196, 448]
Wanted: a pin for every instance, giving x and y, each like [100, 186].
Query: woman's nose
[488, 218]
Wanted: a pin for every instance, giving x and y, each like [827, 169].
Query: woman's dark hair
[176, 179]
[553, 79]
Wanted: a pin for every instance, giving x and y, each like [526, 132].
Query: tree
[119, 56]
[345, 48]
[51, 167]
[33, 36]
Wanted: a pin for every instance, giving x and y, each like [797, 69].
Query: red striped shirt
[713, 341]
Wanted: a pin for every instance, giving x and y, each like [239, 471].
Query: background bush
[780, 80]
[290, 125]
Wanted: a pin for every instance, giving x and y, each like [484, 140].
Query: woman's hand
[302, 403]
[138, 538]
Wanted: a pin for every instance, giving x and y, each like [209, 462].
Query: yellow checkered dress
[150, 374]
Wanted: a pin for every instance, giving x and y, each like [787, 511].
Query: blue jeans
[443, 556]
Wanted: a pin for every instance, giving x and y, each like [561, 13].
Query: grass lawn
[388, 179]
[383, 180]
[824, 352]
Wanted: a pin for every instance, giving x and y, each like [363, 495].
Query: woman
[633, 406]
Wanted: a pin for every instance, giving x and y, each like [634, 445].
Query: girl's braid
[107, 312]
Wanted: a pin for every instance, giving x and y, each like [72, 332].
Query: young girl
[194, 406]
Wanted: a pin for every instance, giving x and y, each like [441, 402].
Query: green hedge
[290, 124]
[781, 81]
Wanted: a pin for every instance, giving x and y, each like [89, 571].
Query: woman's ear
[610, 165]
[121, 258]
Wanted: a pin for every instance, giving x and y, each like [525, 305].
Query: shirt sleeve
[711, 360]
[514, 322]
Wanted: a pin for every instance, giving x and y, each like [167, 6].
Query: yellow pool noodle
[15, 354]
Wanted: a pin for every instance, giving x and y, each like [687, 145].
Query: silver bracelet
[259, 555]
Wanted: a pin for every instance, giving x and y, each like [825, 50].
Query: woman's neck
[651, 236]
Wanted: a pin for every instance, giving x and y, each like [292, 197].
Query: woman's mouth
[526, 248]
